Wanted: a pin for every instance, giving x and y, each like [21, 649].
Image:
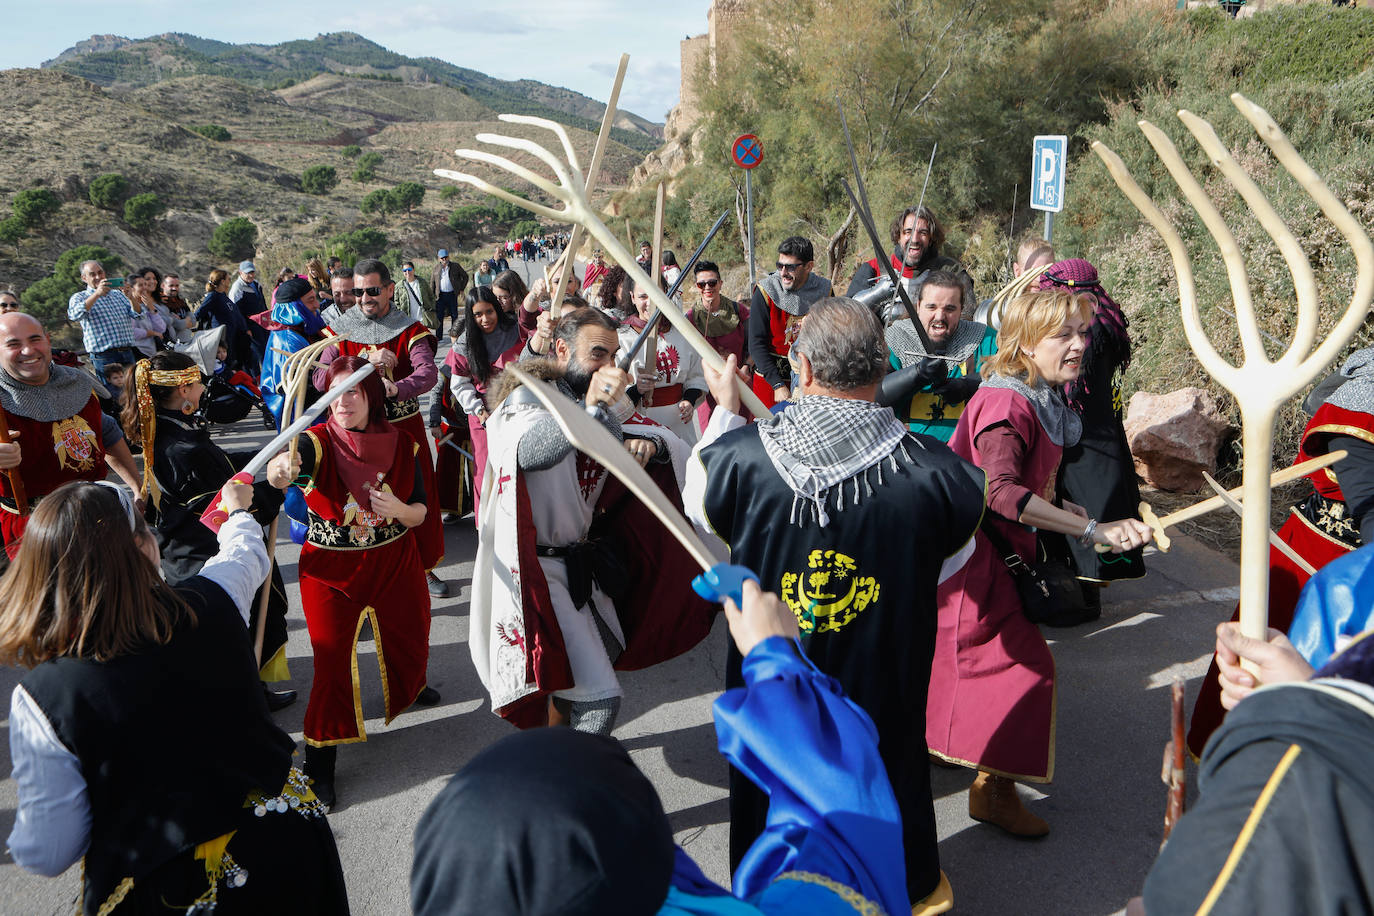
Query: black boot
[278, 699]
[319, 766]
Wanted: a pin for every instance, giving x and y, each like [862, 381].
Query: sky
[574, 44]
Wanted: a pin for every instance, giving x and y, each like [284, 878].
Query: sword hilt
[724, 581]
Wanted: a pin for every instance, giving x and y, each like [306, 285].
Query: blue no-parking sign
[1048, 165]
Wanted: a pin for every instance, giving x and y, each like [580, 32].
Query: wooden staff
[260, 624]
[650, 361]
[1175, 773]
[21, 499]
[575, 240]
[1260, 385]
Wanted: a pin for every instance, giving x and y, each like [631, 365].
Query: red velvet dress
[357, 566]
[53, 453]
[1316, 542]
[405, 416]
[991, 700]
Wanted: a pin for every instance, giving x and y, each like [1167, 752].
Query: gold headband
[144, 376]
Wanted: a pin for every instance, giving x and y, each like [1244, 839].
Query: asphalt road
[1105, 806]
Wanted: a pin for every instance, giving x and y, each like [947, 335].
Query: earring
[188, 408]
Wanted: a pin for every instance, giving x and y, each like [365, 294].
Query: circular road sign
[747, 151]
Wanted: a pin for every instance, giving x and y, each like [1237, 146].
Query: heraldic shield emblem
[75, 443]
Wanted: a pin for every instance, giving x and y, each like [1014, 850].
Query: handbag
[1048, 588]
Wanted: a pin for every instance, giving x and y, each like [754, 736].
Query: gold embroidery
[831, 595]
[858, 901]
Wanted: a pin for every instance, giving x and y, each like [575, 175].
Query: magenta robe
[991, 701]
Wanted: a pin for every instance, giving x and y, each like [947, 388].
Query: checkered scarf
[820, 443]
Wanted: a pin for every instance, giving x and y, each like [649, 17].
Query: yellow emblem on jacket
[830, 594]
[75, 443]
[362, 523]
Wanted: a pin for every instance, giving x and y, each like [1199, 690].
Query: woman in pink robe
[492, 337]
[991, 701]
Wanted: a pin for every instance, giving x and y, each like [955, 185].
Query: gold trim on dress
[858, 901]
[1320, 533]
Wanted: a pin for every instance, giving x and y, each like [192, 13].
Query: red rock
[1174, 437]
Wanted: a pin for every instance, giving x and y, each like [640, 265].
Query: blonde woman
[991, 700]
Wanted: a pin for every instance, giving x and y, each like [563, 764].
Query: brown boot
[993, 800]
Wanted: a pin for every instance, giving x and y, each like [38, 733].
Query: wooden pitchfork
[1259, 385]
[571, 191]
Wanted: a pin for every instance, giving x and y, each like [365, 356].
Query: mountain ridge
[121, 63]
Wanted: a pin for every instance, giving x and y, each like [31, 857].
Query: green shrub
[108, 191]
[351, 151]
[234, 239]
[33, 205]
[378, 201]
[12, 229]
[526, 228]
[214, 132]
[449, 191]
[367, 167]
[319, 179]
[141, 209]
[407, 195]
[469, 217]
[360, 243]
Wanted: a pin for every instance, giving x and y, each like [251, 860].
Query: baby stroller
[229, 396]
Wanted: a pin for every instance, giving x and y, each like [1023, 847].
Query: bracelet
[237, 511]
[1086, 538]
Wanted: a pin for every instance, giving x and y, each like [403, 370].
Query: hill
[145, 135]
[116, 62]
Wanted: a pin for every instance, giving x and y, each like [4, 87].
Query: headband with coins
[144, 376]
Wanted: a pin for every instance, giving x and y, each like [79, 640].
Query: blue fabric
[831, 808]
[300, 325]
[1335, 606]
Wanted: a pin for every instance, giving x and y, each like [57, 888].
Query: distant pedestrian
[447, 283]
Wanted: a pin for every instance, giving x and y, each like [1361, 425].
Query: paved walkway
[1106, 805]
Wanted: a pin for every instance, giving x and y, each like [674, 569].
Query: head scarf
[362, 456]
[1110, 344]
[292, 290]
[546, 821]
[144, 376]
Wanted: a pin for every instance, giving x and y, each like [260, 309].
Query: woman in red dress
[364, 492]
[991, 700]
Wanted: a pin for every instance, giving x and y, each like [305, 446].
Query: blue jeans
[126, 356]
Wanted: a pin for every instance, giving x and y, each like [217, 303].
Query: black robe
[1287, 793]
[863, 590]
[190, 470]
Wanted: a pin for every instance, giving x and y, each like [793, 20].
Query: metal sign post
[747, 153]
[1049, 161]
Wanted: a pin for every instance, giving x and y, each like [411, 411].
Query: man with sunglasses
[402, 349]
[722, 321]
[779, 303]
[414, 297]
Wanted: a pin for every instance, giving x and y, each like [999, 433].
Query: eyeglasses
[707, 284]
[367, 291]
[790, 268]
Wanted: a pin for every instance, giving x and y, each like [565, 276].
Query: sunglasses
[407, 270]
[707, 284]
[367, 291]
[790, 268]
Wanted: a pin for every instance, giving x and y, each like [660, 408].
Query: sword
[1212, 503]
[1274, 540]
[215, 516]
[860, 205]
[930, 165]
[624, 362]
[588, 436]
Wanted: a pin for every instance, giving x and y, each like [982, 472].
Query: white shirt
[415, 300]
[445, 282]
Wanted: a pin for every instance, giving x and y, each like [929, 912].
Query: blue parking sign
[1048, 165]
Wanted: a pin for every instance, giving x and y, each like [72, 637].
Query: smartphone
[115, 282]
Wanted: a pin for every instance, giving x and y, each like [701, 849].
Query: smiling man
[917, 237]
[402, 349]
[779, 303]
[59, 433]
[928, 390]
